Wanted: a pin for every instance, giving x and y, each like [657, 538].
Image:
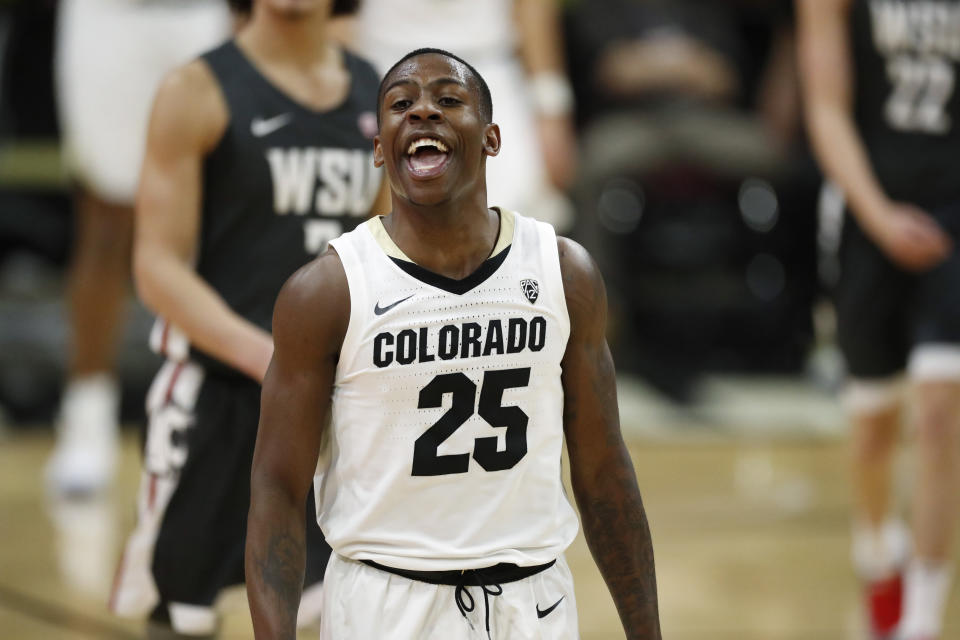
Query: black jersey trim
[450, 285]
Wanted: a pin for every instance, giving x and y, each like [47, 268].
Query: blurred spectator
[110, 56]
[662, 83]
[517, 46]
[687, 115]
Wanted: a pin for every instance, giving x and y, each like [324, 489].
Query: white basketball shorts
[110, 57]
[361, 602]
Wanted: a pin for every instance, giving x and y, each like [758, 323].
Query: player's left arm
[604, 483]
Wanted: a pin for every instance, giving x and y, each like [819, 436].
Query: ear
[377, 152]
[491, 139]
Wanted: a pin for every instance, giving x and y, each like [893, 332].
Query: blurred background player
[257, 153]
[884, 117]
[110, 57]
[517, 46]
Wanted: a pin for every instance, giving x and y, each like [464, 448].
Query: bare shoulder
[320, 281]
[190, 102]
[582, 283]
[313, 307]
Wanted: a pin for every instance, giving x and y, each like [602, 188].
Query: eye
[448, 101]
[400, 105]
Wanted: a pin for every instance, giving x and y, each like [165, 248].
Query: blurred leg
[875, 409]
[874, 442]
[880, 542]
[99, 278]
[937, 490]
[936, 506]
[84, 458]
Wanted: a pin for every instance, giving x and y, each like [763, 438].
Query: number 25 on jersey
[426, 459]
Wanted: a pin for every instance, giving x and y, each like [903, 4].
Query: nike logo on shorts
[261, 127]
[377, 309]
[549, 610]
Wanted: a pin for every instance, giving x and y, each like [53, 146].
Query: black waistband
[497, 574]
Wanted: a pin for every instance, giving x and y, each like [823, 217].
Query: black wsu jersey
[282, 181]
[906, 105]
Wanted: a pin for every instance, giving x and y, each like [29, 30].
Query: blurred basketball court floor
[746, 494]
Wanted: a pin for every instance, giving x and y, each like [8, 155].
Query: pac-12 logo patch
[530, 289]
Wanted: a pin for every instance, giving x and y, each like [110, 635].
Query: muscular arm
[188, 118]
[308, 326]
[604, 483]
[904, 232]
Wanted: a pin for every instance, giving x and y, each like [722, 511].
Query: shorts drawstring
[461, 594]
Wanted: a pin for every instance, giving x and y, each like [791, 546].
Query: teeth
[426, 142]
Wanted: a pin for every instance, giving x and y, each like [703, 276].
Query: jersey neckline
[348, 63]
[487, 268]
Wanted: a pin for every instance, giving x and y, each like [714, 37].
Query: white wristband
[551, 93]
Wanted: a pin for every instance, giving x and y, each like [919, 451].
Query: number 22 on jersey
[922, 86]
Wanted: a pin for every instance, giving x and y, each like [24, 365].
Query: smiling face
[433, 138]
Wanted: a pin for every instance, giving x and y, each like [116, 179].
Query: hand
[911, 237]
[559, 148]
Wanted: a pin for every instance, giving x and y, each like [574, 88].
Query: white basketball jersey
[447, 426]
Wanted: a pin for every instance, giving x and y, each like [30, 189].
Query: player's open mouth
[427, 157]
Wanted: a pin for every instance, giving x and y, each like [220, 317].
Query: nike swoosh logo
[377, 309]
[548, 610]
[261, 127]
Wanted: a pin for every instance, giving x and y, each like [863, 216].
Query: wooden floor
[751, 544]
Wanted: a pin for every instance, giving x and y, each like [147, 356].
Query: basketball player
[110, 57]
[455, 345]
[257, 153]
[884, 116]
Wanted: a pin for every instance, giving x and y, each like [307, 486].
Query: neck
[294, 38]
[451, 239]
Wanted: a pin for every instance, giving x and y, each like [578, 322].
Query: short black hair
[486, 102]
[339, 8]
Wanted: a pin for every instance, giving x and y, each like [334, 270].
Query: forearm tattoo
[281, 566]
[616, 526]
[614, 519]
[618, 535]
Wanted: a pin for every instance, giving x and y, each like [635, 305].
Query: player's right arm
[309, 322]
[189, 117]
[907, 234]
